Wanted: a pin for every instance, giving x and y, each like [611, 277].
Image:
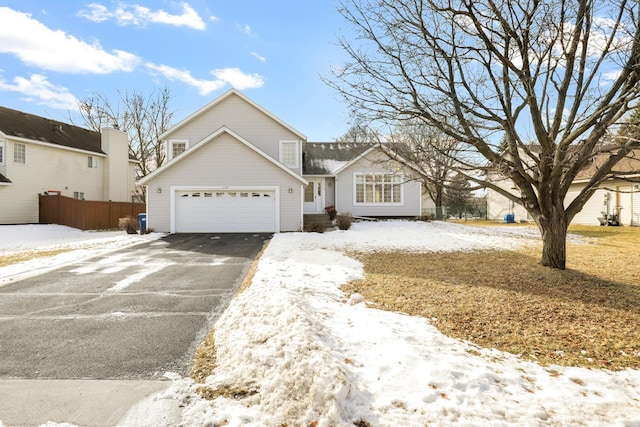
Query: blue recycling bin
[509, 218]
[142, 220]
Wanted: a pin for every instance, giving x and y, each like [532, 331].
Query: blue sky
[53, 54]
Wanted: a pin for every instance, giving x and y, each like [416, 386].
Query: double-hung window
[92, 162]
[177, 147]
[378, 189]
[289, 154]
[20, 153]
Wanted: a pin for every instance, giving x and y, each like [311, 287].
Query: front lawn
[587, 315]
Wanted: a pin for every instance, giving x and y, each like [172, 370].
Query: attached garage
[226, 210]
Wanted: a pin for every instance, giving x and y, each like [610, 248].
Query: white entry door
[314, 196]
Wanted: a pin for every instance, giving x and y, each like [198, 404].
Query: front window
[20, 153]
[378, 189]
[177, 147]
[289, 153]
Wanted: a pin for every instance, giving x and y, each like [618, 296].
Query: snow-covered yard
[305, 354]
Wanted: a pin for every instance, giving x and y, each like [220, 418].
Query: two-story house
[235, 167]
[40, 155]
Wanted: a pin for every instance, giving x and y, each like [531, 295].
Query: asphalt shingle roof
[325, 158]
[4, 179]
[29, 126]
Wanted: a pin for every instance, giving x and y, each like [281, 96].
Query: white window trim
[380, 204]
[15, 144]
[94, 162]
[170, 144]
[284, 142]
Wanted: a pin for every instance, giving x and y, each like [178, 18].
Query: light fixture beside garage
[159, 190]
[290, 190]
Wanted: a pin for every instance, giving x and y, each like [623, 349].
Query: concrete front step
[322, 219]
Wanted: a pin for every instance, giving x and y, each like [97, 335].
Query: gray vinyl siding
[345, 197]
[47, 168]
[243, 119]
[223, 162]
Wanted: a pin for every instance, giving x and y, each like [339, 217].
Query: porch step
[318, 219]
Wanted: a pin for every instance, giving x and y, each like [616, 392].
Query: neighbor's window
[20, 153]
[289, 153]
[78, 195]
[1, 151]
[93, 162]
[378, 188]
[177, 147]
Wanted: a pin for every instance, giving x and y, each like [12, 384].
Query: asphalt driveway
[131, 314]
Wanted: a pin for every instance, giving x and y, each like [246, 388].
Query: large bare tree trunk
[554, 241]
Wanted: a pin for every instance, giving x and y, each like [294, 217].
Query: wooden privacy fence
[85, 214]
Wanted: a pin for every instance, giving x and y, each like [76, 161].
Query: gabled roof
[28, 126]
[328, 158]
[628, 165]
[4, 179]
[177, 160]
[218, 100]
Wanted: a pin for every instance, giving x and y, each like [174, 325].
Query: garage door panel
[225, 211]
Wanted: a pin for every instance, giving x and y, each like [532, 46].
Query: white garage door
[203, 211]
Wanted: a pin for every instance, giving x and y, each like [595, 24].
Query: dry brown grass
[587, 315]
[17, 257]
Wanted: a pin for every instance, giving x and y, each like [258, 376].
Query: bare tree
[143, 118]
[549, 78]
[360, 133]
[429, 154]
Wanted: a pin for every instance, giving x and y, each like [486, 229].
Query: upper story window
[93, 162]
[290, 154]
[20, 153]
[1, 152]
[177, 147]
[378, 189]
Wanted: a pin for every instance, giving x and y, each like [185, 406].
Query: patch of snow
[76, 244]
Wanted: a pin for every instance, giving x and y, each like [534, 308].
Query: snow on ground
[74, 245]
[305, 354]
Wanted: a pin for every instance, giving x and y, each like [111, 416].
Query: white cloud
[39, 46]
[258, 57]
[239, 79]
[39, 90]
[246, 28]
[140, 16]
[233, 76]
[608, 78]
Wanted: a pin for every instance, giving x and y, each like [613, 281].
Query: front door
[314, 196]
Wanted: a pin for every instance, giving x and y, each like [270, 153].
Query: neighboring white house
[235, 167]
[40, 155]
[619, 197]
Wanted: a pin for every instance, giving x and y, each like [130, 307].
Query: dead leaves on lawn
[587, 315]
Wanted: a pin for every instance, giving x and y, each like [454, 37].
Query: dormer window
[289, 154]
[177, 147]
